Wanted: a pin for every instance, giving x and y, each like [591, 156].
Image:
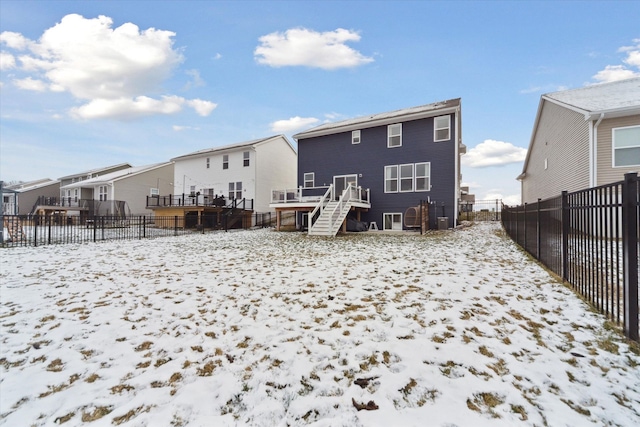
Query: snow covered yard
[260, 328]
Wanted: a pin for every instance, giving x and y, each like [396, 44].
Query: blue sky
[86, 84]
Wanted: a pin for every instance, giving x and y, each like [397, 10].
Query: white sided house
[583, 138]
[247, 170]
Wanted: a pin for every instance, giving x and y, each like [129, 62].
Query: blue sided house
[386, 170]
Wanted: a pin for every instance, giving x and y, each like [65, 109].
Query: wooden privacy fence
[590, 239]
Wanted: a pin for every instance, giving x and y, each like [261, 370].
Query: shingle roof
[622, 94]
[227, 147]
[405, 114]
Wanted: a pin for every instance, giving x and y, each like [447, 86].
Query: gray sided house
[400, 157]
[22, 199]
[583, 138]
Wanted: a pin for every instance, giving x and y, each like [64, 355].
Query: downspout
[593, 151]
[457, 142]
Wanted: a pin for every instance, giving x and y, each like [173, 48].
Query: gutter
[593, 151]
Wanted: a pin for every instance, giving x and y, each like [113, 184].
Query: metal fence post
[630, 206]
[565, 235]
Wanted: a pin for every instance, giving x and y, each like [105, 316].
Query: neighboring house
[123, 192]
[21, 199]
[583, 138]
[247, 170]
[398, 159]
[71, 196]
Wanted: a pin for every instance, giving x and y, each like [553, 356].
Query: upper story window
[207, 163]
[245, 158]
[406, 178]
[155, 192]
[391, 179]
[423, 176]
[442, 128]
[309, 180]
[394, 135]
[355, 137]
[102, 193]
[225, 161]
[626, 146]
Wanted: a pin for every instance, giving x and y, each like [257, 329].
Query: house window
[392, 221]
[245, 159]
[442, 128]
[155, 192]
[406, 178]
[235, 190]
[394, 135]
[355, 137]
[309, 180]
[423, 176]
[626, 146]
[225, 161]
[391, 179]
[102, 193]
[207, 163]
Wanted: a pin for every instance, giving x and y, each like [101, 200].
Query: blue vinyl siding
[334, 154]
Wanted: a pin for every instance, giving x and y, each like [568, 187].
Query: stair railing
[344, 202]
[315, 213]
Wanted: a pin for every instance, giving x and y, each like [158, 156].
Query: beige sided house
[22, 199]
[583, 138]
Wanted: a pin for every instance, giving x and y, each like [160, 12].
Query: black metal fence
[40, 230]
[590, 238]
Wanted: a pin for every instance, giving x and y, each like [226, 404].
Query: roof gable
[403, 115]
[115, 176]
[253, 143]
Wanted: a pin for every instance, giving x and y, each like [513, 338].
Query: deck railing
[177, 200]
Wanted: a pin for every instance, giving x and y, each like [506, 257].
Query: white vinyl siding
[442, 128]
[355, 137]
[626, 146]
[394, 135]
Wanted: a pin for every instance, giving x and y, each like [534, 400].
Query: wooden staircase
[14, 226]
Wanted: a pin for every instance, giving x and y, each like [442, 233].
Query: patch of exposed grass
[484, 351]
[120, 388]
[55, 366]
[96, 414]
[144, 346]
[92, 378]
[579, 409]
[485, 402]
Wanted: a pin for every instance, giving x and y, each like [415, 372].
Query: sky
[88, 84]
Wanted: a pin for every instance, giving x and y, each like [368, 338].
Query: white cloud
[7, 61]
[114, 69]
[613, 73]
[292, 124]
[493, 153]
[196, 80]
[303, 47]
[202, 108]
[179, 128]
[30, 84]
[14, 40]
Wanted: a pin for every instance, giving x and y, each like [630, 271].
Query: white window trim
[154, 192]
[225, 161]
[208, 163]
[246, 158]
[312, 180]
[436, 129]
[355, 136]
[235, 190]
[415, 177]
[384, 223]
[391, 179]
[389, 135]
[400, 178]
[613, 147]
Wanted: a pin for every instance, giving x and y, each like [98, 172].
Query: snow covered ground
[260, 328]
